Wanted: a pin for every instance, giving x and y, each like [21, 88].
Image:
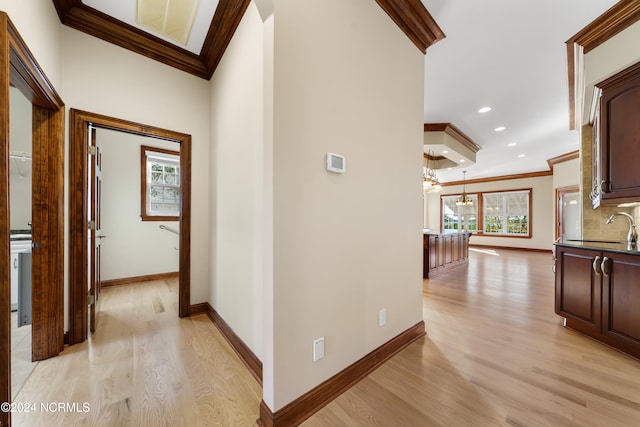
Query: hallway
[495, 354]
[144, 367]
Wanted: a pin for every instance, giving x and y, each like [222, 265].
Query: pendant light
[464, 200]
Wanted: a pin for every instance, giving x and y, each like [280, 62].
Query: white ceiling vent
[172, 18]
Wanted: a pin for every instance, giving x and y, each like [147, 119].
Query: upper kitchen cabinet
[617, 137]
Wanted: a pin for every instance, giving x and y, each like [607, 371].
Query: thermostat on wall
[336, 163]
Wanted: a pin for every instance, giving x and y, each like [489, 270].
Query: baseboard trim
[247, 356]
[309, 403]
[511, 248]
[137, 279]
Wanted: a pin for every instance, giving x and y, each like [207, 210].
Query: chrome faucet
[632, 237]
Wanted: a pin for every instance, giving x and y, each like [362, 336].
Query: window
[160, 184]
[457, 217]
[507, 213]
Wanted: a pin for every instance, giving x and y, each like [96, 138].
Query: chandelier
[464, 200]
[430, 181]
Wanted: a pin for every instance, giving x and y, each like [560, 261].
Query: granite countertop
[599, 245]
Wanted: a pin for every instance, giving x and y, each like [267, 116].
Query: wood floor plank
[145, 367]
[495, 354]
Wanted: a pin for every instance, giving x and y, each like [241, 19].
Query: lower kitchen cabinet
[598, 293]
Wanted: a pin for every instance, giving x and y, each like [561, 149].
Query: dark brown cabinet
[443, 252]
[579, 288]
[598, 293]
[621, 302]
[617, 136]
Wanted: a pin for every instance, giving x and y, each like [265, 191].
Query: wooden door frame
[19, 68]
[561, 191]
[78, 207]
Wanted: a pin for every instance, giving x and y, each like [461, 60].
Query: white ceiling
[125, 11]
[511, 56]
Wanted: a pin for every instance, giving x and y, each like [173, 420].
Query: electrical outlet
[382, 317]
[318, 349]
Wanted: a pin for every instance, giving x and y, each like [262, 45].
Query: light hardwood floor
[144, 367]
[495, 355]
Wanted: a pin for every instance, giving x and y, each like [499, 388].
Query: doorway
[21, 70]
[568, 213]
[80, 125]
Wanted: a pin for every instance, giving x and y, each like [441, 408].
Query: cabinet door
[619, 130]
[579, 288]
[621, 299]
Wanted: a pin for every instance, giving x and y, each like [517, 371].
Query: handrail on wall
[164, 227]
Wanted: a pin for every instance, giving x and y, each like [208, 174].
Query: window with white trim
[160, 189]
[457, 218]
[507, 213]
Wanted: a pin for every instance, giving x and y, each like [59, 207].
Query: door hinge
[91, 225]
[91, 299]
[93, 150]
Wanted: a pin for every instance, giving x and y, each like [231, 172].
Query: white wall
[39, 26]
[542, 227]
[237, 206]
[346, 80]
[133, 247]
[20, 170]
[566, 174]
[106, 79]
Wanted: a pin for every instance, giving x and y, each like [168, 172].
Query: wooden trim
[138, 279]
[144, 216]
[499, 178]
[74, 14]
[243, 351]
[615, 20]
[563, 158]
[454, 133]
[47, 311]
[226, 19]
[433, 158]
[5, 223]
[200, 308]
[78, 257]
[20, 68]
[309, 403]
[511, 248]
[414, 20]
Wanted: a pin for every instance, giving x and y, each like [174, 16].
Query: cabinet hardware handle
[595, 265]
[604, 262]
[604, 186]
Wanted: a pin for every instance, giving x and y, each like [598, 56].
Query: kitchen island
[597, 291]
[444, 252]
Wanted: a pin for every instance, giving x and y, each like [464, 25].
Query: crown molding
[75, 14]
[410, 15]
[613, 21]
[563, 158]
[454, 133]
[414, 20]
[499, 178]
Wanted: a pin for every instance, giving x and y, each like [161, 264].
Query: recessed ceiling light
[484, 110]
[513, 144]
[500, 128]
[445, 151]
[521, 155]
[461, 160]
